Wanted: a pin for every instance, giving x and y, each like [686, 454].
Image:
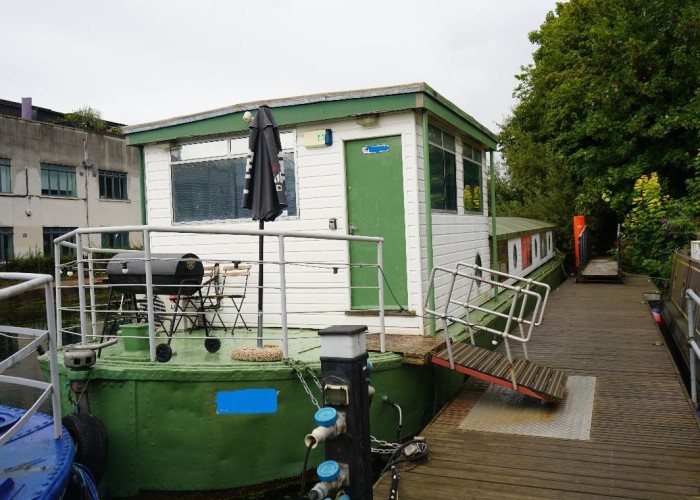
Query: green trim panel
[285, 116]
[450, 116]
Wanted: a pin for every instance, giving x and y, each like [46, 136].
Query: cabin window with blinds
[471, 163]
[5, 176]
[113, 185]
[212, 190]
[443, 170]
[58, 180]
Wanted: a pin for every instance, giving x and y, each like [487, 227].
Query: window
[536, 254]
[51, 233]
[6, 249]
[471, 162]
[113, 185]
[477, 261]
[57, 180]
[526, 245]
[443, 170]
[515, 256]
[212, 190]
[503, 256]
[115, 240]
[5, 176]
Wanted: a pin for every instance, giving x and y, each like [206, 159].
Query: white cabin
[403, 163]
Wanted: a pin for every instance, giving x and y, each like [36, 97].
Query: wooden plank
[645, 439]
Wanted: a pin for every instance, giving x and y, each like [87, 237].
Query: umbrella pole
[260, 283]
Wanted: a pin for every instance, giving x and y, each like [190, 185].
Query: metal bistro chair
[213, 292]
[234, 279]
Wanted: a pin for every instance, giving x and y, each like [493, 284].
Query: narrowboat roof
[509, 227]
[292, 111]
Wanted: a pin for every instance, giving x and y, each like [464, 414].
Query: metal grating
[504, 411]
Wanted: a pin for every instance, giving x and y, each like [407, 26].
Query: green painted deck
[644, 436]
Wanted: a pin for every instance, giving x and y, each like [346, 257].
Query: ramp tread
[540, 379]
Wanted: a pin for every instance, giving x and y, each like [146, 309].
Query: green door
[374, 171]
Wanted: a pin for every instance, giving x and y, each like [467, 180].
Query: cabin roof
[509, 227]
[292, 111]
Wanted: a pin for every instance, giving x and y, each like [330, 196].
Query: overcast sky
[143, 60]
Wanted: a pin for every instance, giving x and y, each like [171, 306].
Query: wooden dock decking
[644, 437]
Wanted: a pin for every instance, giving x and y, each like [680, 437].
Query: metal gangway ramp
[520, 311]
[598, 269]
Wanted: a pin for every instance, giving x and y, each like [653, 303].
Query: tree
[613, 94]
[86, 118]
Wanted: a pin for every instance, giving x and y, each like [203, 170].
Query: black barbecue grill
[172, 273]
[177, 275]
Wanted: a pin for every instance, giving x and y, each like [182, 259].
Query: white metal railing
[147, 231]
[515, 314]
[50, 389]
[693, 300]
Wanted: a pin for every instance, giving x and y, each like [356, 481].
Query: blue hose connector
[328, 471]
[326, 416]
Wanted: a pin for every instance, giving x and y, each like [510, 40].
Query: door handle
[351, 229]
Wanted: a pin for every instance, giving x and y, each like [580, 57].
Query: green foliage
[34, 261]
[656, 226]
[87, 118]
[614, 93]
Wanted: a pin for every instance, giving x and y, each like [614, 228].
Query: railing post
[53, 358]
[380, 278]
[91, 280]
[283, 299]
[81, 288]
[691, 353]
[149, 293]
[57, 277]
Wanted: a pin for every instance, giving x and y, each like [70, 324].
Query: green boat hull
[165, 432]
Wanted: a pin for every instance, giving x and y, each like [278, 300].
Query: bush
[655, 228]
[34, 261]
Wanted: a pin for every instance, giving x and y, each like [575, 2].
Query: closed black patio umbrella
[264, 192]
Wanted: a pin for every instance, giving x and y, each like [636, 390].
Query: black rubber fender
[91, 443]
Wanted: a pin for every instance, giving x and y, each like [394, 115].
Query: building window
[212, 190]
[51, 233]
[57, 180]
[443, 170]
[6, 249]
[471, 162]
[5, 176]
[515, 257]
[477, 261]
[536, 248]
[115, 240]
[113, 185]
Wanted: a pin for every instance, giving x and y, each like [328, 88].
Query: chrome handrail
[147, 231]
[478, 275]
[50, 389]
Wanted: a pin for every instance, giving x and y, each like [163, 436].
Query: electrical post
[344, 420]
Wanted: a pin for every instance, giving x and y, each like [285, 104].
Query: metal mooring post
[346, 388]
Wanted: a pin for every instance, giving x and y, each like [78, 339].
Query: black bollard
[346, 388]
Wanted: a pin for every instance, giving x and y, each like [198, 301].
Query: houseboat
[383, 186]
[685, 275]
